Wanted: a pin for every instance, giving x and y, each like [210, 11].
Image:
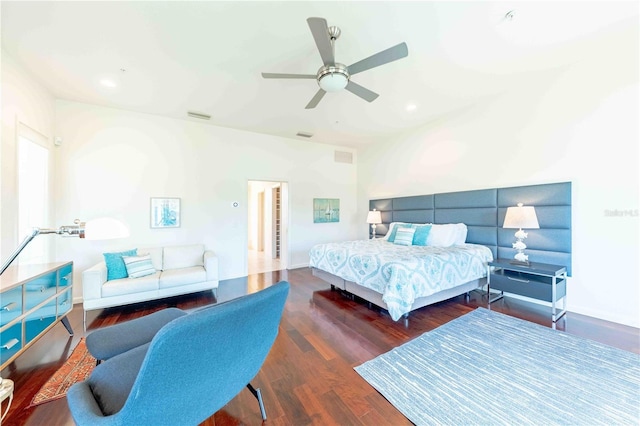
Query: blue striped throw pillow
[404, 236]
[139, 266]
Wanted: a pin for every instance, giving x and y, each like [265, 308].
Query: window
[33, 193]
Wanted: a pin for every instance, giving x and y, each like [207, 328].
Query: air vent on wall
[304, 134]
[343, 157]
[199, 115]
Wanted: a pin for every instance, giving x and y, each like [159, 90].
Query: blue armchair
[193, 365]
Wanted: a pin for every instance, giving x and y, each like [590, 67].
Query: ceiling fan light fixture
[333, 78]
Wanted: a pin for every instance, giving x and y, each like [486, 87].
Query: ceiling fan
[334, 76]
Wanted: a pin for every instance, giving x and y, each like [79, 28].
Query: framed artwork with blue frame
[165, 212]
[326, 210]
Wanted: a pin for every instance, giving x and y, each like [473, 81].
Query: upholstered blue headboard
[483, 212]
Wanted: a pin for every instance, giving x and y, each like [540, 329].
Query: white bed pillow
[462, 234]
[447, 235]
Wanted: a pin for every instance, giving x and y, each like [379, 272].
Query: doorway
[268, 225]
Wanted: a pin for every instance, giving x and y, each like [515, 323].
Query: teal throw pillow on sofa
[116, 268]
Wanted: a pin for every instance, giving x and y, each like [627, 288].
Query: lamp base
[520, 263]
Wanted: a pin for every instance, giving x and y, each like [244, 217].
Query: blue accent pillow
[421, 234]
[116, 268]
[404, 236]
[396, 225]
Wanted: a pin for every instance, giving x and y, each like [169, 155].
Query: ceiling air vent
[304, 134]
[200, 115]
[343, 157]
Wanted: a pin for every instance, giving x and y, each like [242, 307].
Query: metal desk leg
[67, 325]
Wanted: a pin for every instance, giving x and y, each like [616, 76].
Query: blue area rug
[489, 368]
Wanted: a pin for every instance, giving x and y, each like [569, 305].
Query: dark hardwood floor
[308, 377]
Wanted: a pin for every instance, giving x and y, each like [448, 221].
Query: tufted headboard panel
[483, 212]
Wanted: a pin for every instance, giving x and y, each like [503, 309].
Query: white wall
[26, 102]
[112, 161]
[577, 124]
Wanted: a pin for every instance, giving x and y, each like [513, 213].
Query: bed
[482, 212]
[401, 278]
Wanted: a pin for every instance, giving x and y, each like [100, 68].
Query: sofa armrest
[92, 280]
[211, 265]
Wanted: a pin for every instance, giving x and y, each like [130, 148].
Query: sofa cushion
[183, 276]
[130, 285]
[156, 256]
[115, 265]
[138, 266]
[183, 256]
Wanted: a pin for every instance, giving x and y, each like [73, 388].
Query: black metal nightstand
[540, 281]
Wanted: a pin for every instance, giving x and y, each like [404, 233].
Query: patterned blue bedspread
[401, 273]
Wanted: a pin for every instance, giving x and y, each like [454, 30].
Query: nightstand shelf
[539, 281]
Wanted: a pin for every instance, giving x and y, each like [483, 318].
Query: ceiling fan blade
[277, 75]
[389, 55]
[358, 90]
[315, 100]
[320, 33]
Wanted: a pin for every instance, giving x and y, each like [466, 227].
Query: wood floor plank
[308, 377]
[312, 406]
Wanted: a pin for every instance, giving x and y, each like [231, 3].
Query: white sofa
[179, 270]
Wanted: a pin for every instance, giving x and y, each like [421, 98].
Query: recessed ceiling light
[108, 83]
[411, 107]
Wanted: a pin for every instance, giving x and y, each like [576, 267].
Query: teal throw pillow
[116, 268]
[404, 236]
[421, 234]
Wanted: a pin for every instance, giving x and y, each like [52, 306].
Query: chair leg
[258, 395]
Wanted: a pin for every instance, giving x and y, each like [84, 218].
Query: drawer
[39, 289]
[10, 342]
[37, 321]
[528, 285]
[65, 280]
[66, 276]
[65, 303]
[10, 305]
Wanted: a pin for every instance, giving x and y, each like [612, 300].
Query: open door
[268, 225]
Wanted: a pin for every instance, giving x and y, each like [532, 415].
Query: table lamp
[374, 217]
[518, 218]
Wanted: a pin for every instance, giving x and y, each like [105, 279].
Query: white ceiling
[208, 56]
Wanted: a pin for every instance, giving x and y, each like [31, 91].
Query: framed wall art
[326, 210]
[165, 212]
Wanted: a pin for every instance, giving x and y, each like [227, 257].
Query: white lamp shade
[105, 228]
[374, 217]
[521, 217]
